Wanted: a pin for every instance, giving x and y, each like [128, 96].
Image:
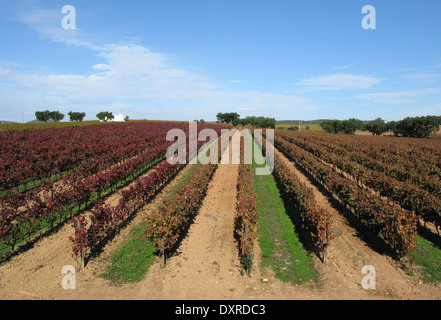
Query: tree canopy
[377, 127]
[259, 122]
[105, 116]
[234, 119]
[417, 127]
[47, 115]
[44, 116]
[342, 126]
[77, 116]
[227, 117]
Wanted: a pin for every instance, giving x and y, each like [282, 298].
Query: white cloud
[397, 97]
[426, 78]
[339, 81]
[101, 67]
[47, 23]
[342, 67]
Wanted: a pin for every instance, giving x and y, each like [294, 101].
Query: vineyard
[51, 175]
[75, 195]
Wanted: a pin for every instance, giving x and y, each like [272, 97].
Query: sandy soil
[206, 265]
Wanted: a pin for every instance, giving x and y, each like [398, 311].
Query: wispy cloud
[47, 23]
[425, 78]
[344, 67]
[397, 97]
[339, 81]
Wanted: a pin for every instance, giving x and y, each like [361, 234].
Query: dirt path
[206, 265]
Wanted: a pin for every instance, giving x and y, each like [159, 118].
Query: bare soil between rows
[206, 264]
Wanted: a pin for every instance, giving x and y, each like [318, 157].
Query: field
[338, 217]
[303, 127]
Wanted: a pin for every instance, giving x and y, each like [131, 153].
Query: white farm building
[118, 118]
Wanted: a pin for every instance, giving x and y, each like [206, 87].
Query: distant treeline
[234, 119]
[416, 127]
[57, 116]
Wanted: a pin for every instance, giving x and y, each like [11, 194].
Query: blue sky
[185, 60]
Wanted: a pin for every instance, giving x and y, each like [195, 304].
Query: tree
[56, 116]
[345, 126]
[77, 116]
[331, 126]
[49, 115]
[263, 122]
[105, 116]
[351, 125]
[418, 127]
[227, 117]
[44, 116]
[259, 122]
[377, 127]
[392, 126]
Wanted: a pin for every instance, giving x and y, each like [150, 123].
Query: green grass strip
[130, 262]
[281, 248]
[426, 259]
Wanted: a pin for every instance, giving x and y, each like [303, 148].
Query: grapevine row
[164, 226]
[21, 215]
[396, 225]
[35, 156]
[409, 196]
[316, 221]
[41, 153]
[105, 220]
[173, 217]
[246, 213]
[406, 167]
